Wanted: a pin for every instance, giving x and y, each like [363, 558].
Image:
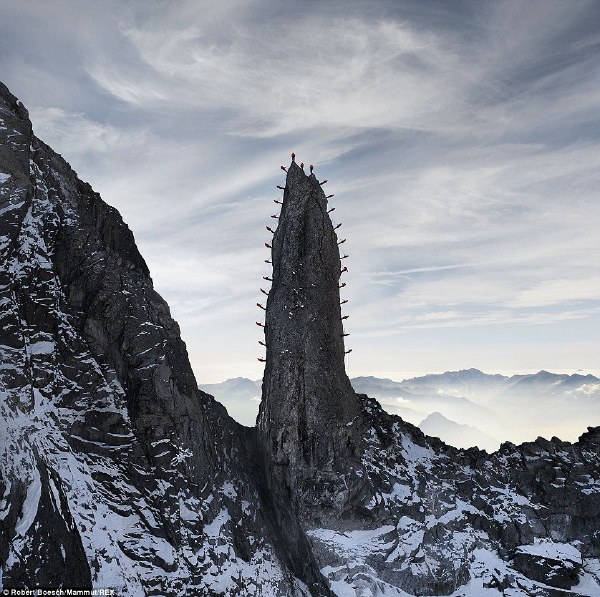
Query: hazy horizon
[415, 374]
[476, 410]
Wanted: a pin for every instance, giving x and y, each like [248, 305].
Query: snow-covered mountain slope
[462, 523]
[116, 471]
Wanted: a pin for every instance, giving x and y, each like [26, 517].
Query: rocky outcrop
[558, 567]
[117, 472]
[447, 521]
[305, 386]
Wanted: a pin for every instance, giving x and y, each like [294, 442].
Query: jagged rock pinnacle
[308, 405]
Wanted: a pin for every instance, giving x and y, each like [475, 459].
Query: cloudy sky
[461, 140]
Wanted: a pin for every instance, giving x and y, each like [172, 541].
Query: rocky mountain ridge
[117, 471]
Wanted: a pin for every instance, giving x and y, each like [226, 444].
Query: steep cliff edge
[117, 472]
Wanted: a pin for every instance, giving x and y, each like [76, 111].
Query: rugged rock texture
[450, 522]
[116, 471]
[305, 386]
[545, 563]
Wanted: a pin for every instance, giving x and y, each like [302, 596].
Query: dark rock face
[557, 568]
[305, 386]
[117, 472]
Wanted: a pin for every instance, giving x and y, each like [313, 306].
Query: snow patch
[229, 490]
[552, 551]
[30, 505]
[353, 543]
[43, 347]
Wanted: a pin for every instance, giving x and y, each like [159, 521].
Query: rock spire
[309, 411]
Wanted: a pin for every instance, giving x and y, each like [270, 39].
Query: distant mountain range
[455, 434]
[473, 408]
[240, 395]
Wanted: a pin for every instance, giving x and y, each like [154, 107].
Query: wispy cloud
[460, 140]
[78, 135]
[552, 292]
[281, 75]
